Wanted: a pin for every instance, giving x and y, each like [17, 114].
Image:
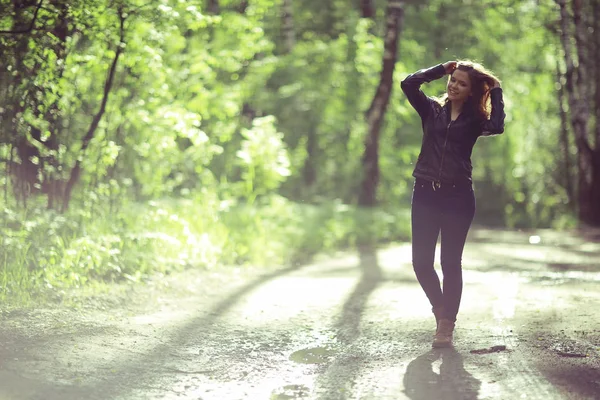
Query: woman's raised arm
[495, 125]
[411, 85]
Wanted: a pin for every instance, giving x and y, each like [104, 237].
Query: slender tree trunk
[367, 9]
[287, 18]
[309, 171]
[439, 38]
[376, 112]
[596, 69]
[242, 7]
[567, 180]
[76, 171]
[213, 7]
[52, 183]
[346, 176]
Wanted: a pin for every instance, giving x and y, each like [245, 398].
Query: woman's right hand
[450, 66]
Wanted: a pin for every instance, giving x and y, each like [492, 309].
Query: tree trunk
[577, 77]
[35, 152]
[440, 38]
[213, 7]
[25, 171]
[76, 171]
[242, 7]
[594, 199]
[589, 164]
[367, 9]
[287, 19]
[52, 183]
[376, 112]
[309, 171]
[596, 69]
[567, 180]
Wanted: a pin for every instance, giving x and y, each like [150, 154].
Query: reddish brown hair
[482, 80]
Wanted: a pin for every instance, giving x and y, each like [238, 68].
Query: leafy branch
[31, 24]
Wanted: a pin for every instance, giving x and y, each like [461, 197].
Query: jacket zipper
[439, 181]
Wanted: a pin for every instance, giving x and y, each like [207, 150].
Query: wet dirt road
[356, 326]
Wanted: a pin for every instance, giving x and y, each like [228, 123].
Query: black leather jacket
[447, 145]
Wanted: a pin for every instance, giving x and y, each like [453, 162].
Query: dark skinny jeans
[448, 209]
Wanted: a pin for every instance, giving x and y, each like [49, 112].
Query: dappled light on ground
[353, 326]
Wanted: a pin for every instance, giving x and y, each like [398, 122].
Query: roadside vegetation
[142, 137]
[45, 253]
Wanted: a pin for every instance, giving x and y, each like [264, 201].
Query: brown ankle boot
[438, 312]
[443, 336]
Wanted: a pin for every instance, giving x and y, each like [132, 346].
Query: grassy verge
[45, 252]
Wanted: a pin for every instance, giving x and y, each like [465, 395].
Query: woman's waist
[461, 182]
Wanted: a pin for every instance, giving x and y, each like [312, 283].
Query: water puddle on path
[290, 392]
[314, 355]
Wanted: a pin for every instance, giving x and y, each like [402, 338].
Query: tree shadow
[14, 386]
[347, 325]
[453, 382]
[581, 242]
[574, 259]
[342, 372]
[567, 348]
[581, 381]
[154, 359]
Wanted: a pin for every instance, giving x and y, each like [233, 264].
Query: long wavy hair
[481, 82]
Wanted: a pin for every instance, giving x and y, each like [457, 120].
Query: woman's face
[459, 86]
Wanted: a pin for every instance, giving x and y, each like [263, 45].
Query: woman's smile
[459, 86]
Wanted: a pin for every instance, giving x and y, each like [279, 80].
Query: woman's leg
[426, 218]
[459, 209]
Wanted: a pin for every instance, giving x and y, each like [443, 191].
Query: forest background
[145, 136]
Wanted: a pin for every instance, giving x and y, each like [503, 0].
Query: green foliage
[263, 159]
[46, 253]
[219, 144]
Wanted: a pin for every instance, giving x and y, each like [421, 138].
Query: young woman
[443, 199]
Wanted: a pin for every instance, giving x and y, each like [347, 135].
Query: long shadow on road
[147, 369]
[338, 378]
[348, 323]
[420, 381]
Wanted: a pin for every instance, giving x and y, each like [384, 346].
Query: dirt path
[350, 327]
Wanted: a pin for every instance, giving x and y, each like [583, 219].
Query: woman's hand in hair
[450, 66]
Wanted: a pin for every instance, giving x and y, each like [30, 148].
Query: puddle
[314, 355]
[290, 392]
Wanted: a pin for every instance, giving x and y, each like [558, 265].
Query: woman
[443, 199]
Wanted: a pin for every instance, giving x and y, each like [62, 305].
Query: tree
[287, 17]
[31, 112]
[580, 89]
[367, 9]
[76, 170]
[376, 112]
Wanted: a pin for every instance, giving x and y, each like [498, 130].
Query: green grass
[46, 252]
